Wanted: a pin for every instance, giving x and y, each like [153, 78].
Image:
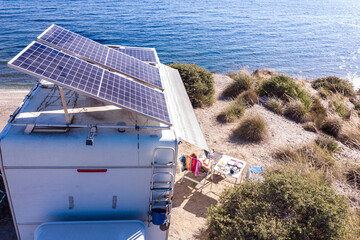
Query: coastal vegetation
[335, 85]
[279, 208]
[242, 81]
[285, 88]
[252, 128]
[199, 84]
[296, 111]
[307, 173]
[276, 105]
[232, 113]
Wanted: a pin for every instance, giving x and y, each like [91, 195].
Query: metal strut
[63, 102]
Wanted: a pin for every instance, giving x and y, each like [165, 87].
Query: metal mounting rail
[87, 126]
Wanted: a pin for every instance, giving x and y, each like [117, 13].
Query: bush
[199, 83]
[296, 111]
[231, 113]
[331, 126]
[249, 97]
[335, 85]
[328, 143]
[285, 88]
[252, 128]
[275, 105]
[283, 206]
[242, 81]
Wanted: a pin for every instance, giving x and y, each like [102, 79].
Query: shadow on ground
[196, 197]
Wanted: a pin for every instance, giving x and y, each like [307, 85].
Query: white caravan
[78, 167]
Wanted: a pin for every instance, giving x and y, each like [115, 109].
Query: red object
[91, 170]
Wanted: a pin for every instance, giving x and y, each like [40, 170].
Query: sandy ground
[188, 220]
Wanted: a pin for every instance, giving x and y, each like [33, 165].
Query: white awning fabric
[180, 109]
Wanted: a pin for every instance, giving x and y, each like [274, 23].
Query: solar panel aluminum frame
[9, 64]
[157, 61]
[94, 62]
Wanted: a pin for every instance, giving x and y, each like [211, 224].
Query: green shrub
[252, 128]
[335, 85]
[275, 105]
[242, 81]
[231, 113]
[340, 109]
[328, 143]
[249, 97]
[283, 206]
[331, 126]
[285, 88]
[199, 83]
[295, 110]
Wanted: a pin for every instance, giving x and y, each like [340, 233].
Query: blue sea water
[306, 39]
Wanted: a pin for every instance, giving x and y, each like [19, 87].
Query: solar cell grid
[50, 64]
[141, 54]
[134, 96]
[85, 48]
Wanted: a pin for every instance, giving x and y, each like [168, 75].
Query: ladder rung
[161, 189]
[161, 182]
[155, 202]
[170, 164]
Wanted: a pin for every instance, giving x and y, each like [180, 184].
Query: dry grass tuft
[263, 73]
[353, 176]
[249, 97]
[317, 112]
[331, 126]
[235, 111]
[252, 129]
[275, 105]
[328, 143]
[296, 111]
[350, 135]
[310, 126]
[242, 81]
[313, 155]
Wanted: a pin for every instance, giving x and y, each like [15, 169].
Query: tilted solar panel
[50, 64]
[145, 55]
[90, 50]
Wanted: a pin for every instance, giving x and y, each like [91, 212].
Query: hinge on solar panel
[92, 134]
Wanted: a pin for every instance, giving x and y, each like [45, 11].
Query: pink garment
[193, 164]
[198, 167]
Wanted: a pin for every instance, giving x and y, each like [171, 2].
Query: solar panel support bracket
[68, 118]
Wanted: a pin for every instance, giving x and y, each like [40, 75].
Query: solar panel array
[85, 48]
[50, 64]
[145, 55]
